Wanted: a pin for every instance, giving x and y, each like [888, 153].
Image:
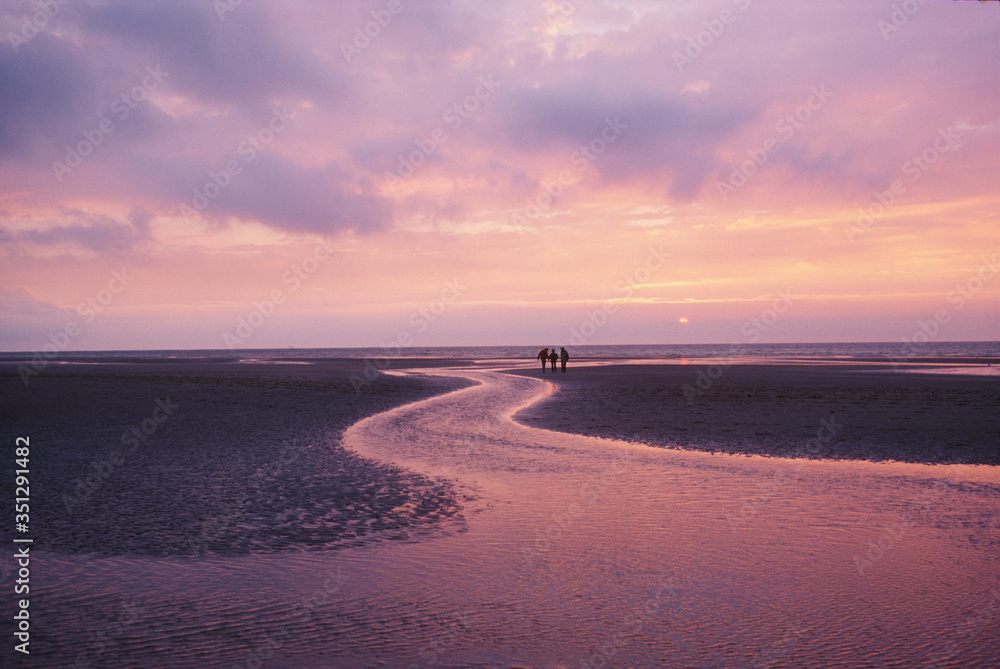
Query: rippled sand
[576, 551]
[903, 412]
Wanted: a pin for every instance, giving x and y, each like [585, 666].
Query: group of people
[553, 357]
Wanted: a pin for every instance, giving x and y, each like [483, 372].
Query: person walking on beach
[553, 358]
[563, 358]
[543, 355]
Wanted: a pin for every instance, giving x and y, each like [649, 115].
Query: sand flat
[882, 412]
[690, 559]
[568, 550]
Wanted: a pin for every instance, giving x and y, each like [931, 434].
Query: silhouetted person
[553, 358]
[563, 358]
[543, 355]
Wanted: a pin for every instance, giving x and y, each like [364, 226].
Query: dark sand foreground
[245, 531]
[213, 457]
[876, 414]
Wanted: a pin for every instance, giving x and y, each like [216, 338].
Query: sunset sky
[198, 174]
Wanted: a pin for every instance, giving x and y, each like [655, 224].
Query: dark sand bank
[774, 409]
[225, 458]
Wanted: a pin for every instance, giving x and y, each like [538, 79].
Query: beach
[862, 410]
[473, 513]
[223, 448]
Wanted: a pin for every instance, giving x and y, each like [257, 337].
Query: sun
[682, 320]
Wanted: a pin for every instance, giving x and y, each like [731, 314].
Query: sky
[210, 174]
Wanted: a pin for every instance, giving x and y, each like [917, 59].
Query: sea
[844, 350]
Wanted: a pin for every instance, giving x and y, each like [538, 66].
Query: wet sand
[870, 412]
[226, 457]
[586, 551]
[442, 532]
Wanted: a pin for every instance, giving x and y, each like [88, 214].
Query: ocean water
[960, 349]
